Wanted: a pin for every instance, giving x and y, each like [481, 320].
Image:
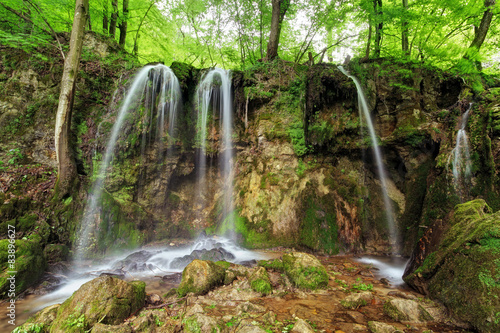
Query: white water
[390, 268]
[161, 263]
[461, 157]
[215, 90]
[364, 111]
[136, 94]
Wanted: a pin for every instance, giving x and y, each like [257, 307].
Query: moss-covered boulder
[464, 272]
[259, 281]
[106, 300]
[305, 271]
[199, 277]
[28, 265]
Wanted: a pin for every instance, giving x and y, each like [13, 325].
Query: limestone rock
[42, 319]
[405, 310]
[356, 300]
[378, 327]
[105, 299]
[250, 329]
[199, 277]
[200, 323]
[305, 271]
[301, 326]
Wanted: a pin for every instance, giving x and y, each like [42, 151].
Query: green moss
[304, 274]
[262, 286]
[276, 264]
[224, 264]
[353, 304]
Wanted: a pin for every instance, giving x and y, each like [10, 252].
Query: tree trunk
[481, 32]
[404, 33]
[139, 28]
[114, 18]
[261, 29]
[278, 14]
[379, 25]
[105, 16]
[65, 163]
[123, 25]
[368, 42]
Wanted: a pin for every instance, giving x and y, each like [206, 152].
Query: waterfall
[461, 162]
[214, 94]
[157, 88]
[364, 111]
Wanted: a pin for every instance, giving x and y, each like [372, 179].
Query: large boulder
[104, 300]
[259, 281]
[305, 271]
[464, 272]
[199, 277]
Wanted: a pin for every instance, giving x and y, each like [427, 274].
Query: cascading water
[215, 91]
[460, 156]
[158, 88]
[364, 111]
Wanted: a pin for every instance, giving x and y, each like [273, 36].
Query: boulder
[357, 300]
[40, 321]
[102, 328]
[305, 271]
[464, 271]
[199, 277]
[215, 254]
[106, 300]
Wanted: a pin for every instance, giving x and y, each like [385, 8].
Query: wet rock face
[463, 271]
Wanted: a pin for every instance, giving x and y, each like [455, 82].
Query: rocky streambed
[297, 292]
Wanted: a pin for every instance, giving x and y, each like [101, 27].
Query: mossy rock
[199, 277]
[305, 271]
[463, 273]
[56, 253]
[259, 281]
[40, 321]
[29, 264]
[106, 300]
[198, 323]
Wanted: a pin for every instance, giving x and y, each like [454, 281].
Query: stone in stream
[199, 277]
[215, 254]
[378, 327]
[259, 281]
[405, 310]
[136, 262]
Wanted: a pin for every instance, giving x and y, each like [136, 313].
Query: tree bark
[105, 16]
[379, 25]
[114, 18]
[65, 163]
[278, 14]
[482, 30]
[123, 25]
[139, 28]
[404, 33]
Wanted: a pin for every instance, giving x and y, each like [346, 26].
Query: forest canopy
[235, 33]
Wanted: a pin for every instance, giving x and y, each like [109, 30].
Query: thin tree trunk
[404, 33]
[114, 18]
[368, 42]
[140, 25]
[27, 25]
[279, 10]
[261, 28]
[123, 25]
[379, 25]
[65, 163]
[105, 16]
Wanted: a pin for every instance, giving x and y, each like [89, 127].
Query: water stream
[365, 112]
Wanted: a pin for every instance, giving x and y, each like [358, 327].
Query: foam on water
[391, 268]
